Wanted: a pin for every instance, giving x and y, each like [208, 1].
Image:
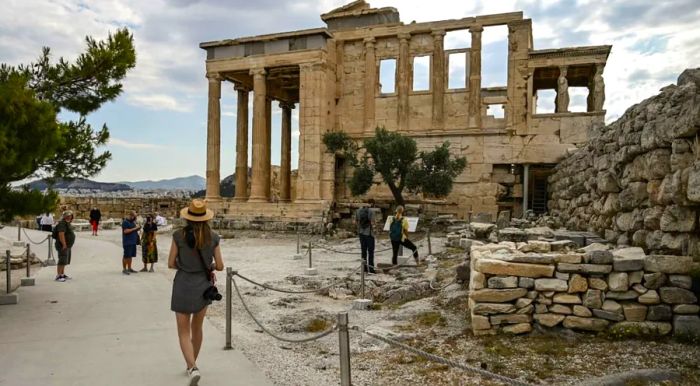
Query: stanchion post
[362, 278]
[344, 340]
[298, 241]
[430, 245]
[19, 230]
[229, 295]
[310, 263]
[28, 263]
[8, 272]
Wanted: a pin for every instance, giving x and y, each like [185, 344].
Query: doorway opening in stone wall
[538, 188]
[341, 189]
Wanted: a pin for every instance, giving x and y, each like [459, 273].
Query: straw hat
[197, 211]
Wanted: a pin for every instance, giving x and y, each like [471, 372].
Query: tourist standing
[195, 253]
[65, 238]
[95, 217]
[364, 219]
[398, 233]
[149, 249]
[160, 220]
[46, 222]
[130, 239]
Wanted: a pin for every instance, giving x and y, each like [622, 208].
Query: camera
[212, 293]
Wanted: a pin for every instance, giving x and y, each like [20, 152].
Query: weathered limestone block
[526, 258]
[532, 294]
[633, 196]
[629, 221]
[588, 324]
[693, 193]
[593, 299]
[674, 241]
[526, 282]
[550, 285]
[618, 281]
[624, 295]
[598, 257]
[512, 234]
[540, 308]
[477, 280]
[536, 246]
[668, 264]
[520, 328]
[591, 269]
[678, 219]
[659, 313]
[597, 283]
[569, 259]
[672, 189]
[510, 319]
[577, 283]
[492, 308]
[562, 275]
[634, 312]
[609, 315]
[549, 320]
[480, 322]
[611, 205]
[611, 306]
[561, 245]
[635, 277]
[654, 280]
[566, 298]
[674, 295]
[501, 282]
[628, 263]
[560, 309]
[686, 309]
[640, 289]
[682, 281]
[497, 295]
[658, 164]
[686, 326]
[607, 182]
[496, 267]
[652, 217]
[526, 310]
[582, 311]
[523, 302]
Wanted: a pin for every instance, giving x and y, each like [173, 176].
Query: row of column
[596, 91]
[438, 78]
[260, 190]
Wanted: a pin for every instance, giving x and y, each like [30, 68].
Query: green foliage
[33, 142]
[396, 159]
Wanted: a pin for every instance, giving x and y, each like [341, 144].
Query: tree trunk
[396, 192]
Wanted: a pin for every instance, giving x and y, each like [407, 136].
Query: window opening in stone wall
[545, 101]
[494, 56]
[387, 76]
[496, 111]
[455, 40]
[578, 99]
[457, 70]
[421, 73]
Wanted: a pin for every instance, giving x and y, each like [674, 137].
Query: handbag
[211, 293]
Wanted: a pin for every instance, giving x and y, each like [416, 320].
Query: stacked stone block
[595, 290]
[637, 181]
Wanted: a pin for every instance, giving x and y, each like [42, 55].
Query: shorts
[129, 251]
[63, 256]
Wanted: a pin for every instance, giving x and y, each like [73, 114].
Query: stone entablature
[336, 84]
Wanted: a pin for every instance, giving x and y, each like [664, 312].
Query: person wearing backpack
[364, 219]
[398, 233]
[65, 238]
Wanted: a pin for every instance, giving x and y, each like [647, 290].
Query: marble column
[403, 86]
[258, 188]
[267, 163]
[214, 137]
[562, 105]
[475, 77]
[598, 88]
[370, 85]
[242, 144]
[286, 159]
[438, 79]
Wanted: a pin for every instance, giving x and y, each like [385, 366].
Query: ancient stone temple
[332, 75]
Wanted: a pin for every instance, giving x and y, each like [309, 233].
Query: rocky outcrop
[638, 181]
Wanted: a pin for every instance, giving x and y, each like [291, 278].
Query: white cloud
[132, 145]
[158, 102]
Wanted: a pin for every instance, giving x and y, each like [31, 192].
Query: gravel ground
[437, 324]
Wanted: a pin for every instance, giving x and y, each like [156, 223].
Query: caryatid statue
[598, 89]
[562, 92]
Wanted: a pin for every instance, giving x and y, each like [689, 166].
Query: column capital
[563, 70]
[214, 77]
[286, 105]
[369, 42]
[257, 71]
[404, 37]
[438, 33]
[476, 29]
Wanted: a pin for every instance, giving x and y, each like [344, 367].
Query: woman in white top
[46, 222]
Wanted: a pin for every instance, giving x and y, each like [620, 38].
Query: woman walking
[398, 233]
[149, 248]
[95, 217]
[195, 253]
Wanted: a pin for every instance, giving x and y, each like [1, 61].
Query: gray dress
[191, 279]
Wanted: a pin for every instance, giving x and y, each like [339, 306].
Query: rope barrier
[444, 286]
[285, 290]
[32, 241]
[444, 361]
[283, 339]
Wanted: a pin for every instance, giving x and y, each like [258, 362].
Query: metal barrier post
[310, 264]
[8, 271]
[298, 241]
[362, 278]
[19, 230]
[430, 246]
[229, 296]
[28, 263]
[344, 340]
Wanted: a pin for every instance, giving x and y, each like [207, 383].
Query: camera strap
[207, 271]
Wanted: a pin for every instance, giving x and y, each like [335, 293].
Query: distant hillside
[79, 183]
[181, 183]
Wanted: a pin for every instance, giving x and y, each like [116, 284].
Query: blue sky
[158, 125]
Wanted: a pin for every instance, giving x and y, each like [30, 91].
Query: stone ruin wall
[517, 286]
[638, 181]
[118, 207]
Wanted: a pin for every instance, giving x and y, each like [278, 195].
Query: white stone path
[103, 328]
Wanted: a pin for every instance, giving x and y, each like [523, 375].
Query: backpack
[54, 233]
[364, 218]
[396, 229]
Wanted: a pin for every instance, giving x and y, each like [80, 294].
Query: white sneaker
[194, 376]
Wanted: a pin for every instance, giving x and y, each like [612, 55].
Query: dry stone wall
[514, 286]
[637, 182]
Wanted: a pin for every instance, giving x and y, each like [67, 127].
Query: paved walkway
[103, 328]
